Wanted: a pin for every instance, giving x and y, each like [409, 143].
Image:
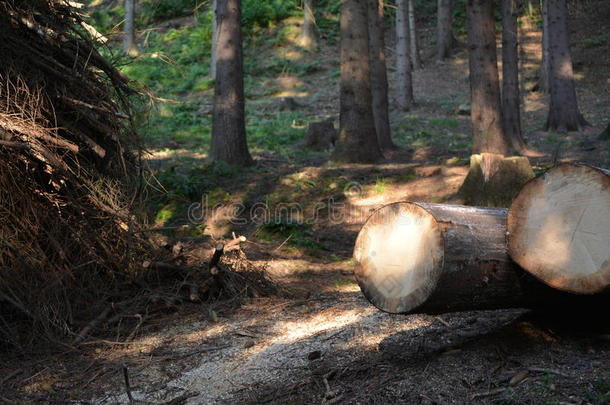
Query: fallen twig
[7, 378]
[547, 371]
[189, 354]
[127, 386]
[487, 393]
[85, 331]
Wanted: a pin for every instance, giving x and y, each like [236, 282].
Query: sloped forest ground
[319, 340]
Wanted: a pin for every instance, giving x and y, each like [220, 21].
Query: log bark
[559, 228]
[435, 258]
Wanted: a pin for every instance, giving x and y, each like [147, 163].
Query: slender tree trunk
[510, 76]
[403, 57]
[379, 76]
[415, 58]
[129, 36]
[564, 114]
[213, 57]
[228, 125]
[357, 137]
[308, 38]
[486, 113]
[445, 40]
[544, 69]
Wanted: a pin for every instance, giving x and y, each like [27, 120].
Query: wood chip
[517, 378]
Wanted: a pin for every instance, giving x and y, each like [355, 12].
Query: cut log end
[559, 228]
[399, 257]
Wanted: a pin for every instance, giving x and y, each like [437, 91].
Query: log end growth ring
[559, 228]
[399, 257]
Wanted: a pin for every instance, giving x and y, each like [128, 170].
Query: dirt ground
[323, 342]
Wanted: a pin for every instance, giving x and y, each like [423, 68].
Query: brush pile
[74, 264]
[66, 150]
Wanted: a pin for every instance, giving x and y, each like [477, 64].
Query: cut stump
[320, 136]
[559, 228]
[494, 180]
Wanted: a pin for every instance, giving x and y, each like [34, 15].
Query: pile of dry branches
[73, 262]
[66, 150]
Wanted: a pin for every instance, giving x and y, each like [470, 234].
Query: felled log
[437, 258]
[559, 228]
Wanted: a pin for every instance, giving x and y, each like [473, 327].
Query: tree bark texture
[379, 75]
[129, 36]
[544, 68]
[228, 124]
[510, 76]
[357, 136]
[559, 228]
[444, 40]
[564, 114]
[213, 57]
[404, 70]
[486, 113]
[308, 38]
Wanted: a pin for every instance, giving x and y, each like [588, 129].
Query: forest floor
[320, 341]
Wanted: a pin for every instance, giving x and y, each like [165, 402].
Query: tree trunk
[444, 40]
[357, 137]
[228, 124]
[403, 58]
[486, 114]
[129, 36]
[415, 58]
[510, 76]
[564, 114]
[544, 69]
[308, 38]
[559, 228]
[438, 258]
[379, 75]
[213, 57]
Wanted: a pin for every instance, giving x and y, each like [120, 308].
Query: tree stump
[320, 136]
[494, 180]
[559, 228]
